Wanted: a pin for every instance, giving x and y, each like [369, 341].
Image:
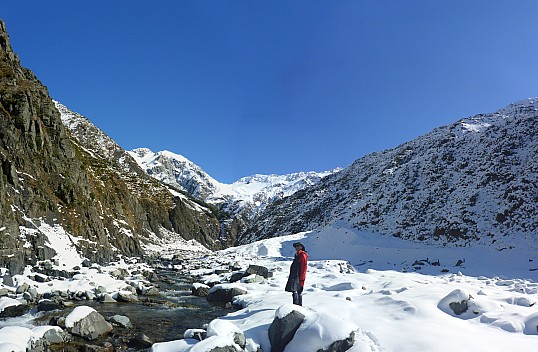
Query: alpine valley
[83, 219]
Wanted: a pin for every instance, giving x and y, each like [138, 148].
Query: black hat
[298, 244]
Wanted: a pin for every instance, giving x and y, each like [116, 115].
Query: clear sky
[244, 87]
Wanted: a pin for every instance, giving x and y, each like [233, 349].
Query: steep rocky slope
[55, 178]
[475, 181]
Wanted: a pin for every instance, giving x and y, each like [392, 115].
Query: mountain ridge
[470, 182]
[238, 203]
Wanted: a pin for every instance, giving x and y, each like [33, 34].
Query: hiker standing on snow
[297, 276]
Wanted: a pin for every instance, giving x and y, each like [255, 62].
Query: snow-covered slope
[473, 181]
[176, 170]
[395, 295]
[248, 195]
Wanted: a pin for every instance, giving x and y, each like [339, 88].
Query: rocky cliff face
[475, 181]
[51, 176]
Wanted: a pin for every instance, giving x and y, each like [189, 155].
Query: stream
[161, 318]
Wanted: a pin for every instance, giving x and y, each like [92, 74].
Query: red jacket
[303, 262]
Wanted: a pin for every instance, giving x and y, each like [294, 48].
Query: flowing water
[161, 318]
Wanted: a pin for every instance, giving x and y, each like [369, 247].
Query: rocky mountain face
[176, 170]
[239, 203]
[473, 182]
[67, 179]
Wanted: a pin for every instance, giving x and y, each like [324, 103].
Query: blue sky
[244, 87]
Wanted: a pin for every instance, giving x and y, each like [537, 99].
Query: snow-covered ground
[393, 294]
[390, 305]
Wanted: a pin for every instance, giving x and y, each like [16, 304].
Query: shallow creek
[161, 318]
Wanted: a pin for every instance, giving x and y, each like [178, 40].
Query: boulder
[458, 303]
[45, 336]
[86, 322]
[224, 293]
[126, 296]
[252, 279]
[14, 311]
[236, 276]
[41, 278]
[7, 280]
[100, 290]
[199, 290]
[121, 320]
[46, 305]
[106, 298]
[223, 328]
[151, 291]
[341, 345]
[258, 270]
[4, 292]
[140, 341]
[283, 329]
[22, 288]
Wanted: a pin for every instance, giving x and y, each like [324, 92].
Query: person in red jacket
[297, 276]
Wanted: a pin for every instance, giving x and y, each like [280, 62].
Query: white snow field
[368, 284]
[395, 295]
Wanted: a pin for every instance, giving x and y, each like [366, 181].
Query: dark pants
[297, 296]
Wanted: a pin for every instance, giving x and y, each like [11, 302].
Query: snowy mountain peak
[176, 170]
[242, 200]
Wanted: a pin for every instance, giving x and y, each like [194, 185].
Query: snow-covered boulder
[225, 292]
[17, 338]
[328, 333]
[14, 338]
[174, 346]
[531, 325]
[44, 336]
[299, 329]
[216, 344]
[87, 322]
[223, 328]
[287, 320]
[10, 307]
[458, 303]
